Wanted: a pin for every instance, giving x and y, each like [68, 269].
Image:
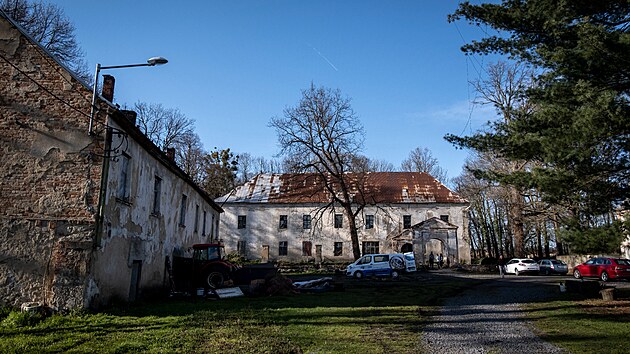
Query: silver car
[553, 266]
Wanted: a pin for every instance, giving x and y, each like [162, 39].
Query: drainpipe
[103, 190]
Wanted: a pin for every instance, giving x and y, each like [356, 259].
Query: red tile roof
[375, 187]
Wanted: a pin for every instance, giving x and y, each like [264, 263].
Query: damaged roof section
[373, 187]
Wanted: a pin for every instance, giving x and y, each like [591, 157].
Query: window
[196, 218]
[283, 222]
[382, 258]
[307, 248]
[242, 221]
[365, 260]
[338, 221]
[444, 218]
[406, 221]
[212, 227]
[370, 247]
[241, 248]
[123, 186]
[283, 248]
[203, 224]
[182, 210]
[306, 222]
[338, 250]
[369, 221]
[157, 192]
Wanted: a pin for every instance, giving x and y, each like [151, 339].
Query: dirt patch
[617, 307]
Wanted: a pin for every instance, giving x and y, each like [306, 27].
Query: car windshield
[528, 261]
[557, 262]
[623, 261]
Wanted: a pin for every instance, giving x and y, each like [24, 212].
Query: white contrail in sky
[323, 57]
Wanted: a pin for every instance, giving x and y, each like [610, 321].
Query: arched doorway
[407, 247]
[434, 245]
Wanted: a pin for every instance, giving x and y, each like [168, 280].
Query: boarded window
[203, 227]
[182, 210]
[196, 218]
[242, 221]
[283, 222]
[283, 248]
[157, 193]
[338, 250]
[307, 248]
[369, 221]
[123, 183]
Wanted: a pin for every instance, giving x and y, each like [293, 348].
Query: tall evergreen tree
[579, 131]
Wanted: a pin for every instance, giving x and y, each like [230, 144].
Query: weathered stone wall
[134, 236]
[50, 173]
[263, 228]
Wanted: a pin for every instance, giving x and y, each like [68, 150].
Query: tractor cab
[208, 252]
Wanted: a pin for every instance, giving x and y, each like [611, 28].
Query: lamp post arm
[93, 110]
[125, 66]
[151, 62]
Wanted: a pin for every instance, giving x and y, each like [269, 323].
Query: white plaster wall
[132, 233]
[263, 227]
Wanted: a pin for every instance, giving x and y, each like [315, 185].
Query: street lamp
[150, 62]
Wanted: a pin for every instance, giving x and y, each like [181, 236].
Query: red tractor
[209, 269]
[206, 269]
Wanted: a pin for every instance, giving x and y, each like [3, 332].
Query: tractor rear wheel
[215, 279]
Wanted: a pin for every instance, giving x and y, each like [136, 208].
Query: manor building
[290, 217]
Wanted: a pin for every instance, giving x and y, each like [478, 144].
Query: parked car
[520, 266]
[552, 266]
[382, 265]
[603, 268]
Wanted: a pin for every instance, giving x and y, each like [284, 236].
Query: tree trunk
[546, 235]
[516, 218]
[354, 234]
[539, 240]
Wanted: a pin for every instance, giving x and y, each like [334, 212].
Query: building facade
[289, 217]
[85, 216]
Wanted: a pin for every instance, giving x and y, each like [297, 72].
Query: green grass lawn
[368, 317]
[584, 326]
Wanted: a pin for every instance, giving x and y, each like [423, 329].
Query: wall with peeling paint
[132, 233]
[50, 172]
[65, 239]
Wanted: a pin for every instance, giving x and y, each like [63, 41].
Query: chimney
[170, 152]
[131, 115]
[108, 88]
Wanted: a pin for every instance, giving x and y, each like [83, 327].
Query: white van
[382, 265]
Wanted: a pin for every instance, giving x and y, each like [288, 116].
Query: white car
[519, 266]
[382, 265]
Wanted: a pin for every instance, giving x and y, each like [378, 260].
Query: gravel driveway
[488, 319]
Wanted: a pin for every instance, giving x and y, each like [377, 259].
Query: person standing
[431, 259]
[440, 261]
[501, 264]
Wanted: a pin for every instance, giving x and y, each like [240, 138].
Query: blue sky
[235, 64]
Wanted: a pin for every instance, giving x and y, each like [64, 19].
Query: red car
[604, 269]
